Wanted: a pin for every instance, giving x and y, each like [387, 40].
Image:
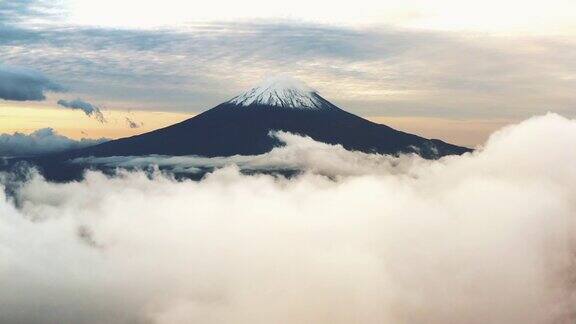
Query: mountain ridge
[241, 127]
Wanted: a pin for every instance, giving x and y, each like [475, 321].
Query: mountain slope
[241, 126]
[226, 130]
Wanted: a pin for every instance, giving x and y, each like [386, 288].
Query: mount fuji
[242, 126]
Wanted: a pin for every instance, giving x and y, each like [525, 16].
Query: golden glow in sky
[73, 124]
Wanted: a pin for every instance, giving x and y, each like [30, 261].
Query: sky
[455, 70]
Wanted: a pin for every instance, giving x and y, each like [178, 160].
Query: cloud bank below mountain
[487, 237]
[41, 141]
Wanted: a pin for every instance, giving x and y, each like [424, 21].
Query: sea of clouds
[487, 237]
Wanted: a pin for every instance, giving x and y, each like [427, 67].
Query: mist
[486, 237]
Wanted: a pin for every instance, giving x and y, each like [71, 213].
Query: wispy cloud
[89, 109]
[19, 11]
[133, 124]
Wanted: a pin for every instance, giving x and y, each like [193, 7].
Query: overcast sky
[465, 60]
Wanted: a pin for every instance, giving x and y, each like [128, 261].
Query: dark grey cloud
[133, 124]
[89, 109]
[42, 141]
[22, 84]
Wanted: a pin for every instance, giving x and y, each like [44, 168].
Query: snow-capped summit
[281, 91]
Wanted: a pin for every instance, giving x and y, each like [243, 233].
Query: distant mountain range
[241, 126]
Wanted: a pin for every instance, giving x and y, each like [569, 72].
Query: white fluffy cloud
[41, 141]
[487, 237]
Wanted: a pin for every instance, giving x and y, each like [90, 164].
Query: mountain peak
[281, 91]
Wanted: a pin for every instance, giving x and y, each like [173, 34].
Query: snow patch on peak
[280, 91]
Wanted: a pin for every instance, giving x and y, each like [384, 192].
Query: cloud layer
[21, 84]
[487, 237]
[372, 70]
[41, 141]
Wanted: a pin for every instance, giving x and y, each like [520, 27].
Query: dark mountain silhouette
[242, 126]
